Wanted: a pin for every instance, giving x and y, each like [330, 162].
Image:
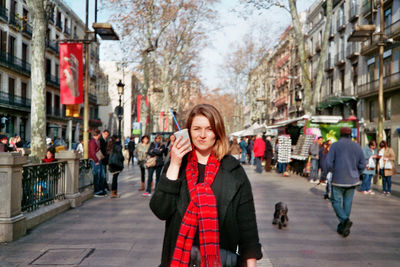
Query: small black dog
[280, 215]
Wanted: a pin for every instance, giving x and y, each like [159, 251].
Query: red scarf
[201, 212]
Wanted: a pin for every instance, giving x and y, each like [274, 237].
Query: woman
[208, 188]
[323, 154]
[235, 149]
[171, 141]
[156, 149]
[370, 170]
[50, 155]
[387, 167]
[115, 162]
[141, 154]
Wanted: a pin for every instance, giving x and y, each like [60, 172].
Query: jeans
[243, 159]
[150, 179]
[142, 171]
[252, 158]
[314, 169]
[258, 165]
[386, 181]
[342, 199]
[366, 182]
[96, 170]
[281, 167]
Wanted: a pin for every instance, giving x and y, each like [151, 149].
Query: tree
[38, 10]
[309, 97]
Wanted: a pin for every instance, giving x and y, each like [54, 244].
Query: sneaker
[364, 192]
[371, 192]
[388, 194]
[146, 194]
[384, 192]
[346, 227]
[100, 194]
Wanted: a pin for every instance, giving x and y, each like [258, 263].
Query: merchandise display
[300, 151]
[284, 148]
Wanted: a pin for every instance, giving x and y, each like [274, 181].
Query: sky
[233, 28]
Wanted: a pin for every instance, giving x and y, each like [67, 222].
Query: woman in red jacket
[259, 148]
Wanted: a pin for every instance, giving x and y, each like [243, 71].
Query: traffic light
[72, 111]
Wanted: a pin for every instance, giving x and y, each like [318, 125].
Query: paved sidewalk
[124, 232]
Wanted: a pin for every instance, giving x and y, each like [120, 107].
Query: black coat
[116, 159]
[268, 153]
[236, 213]
[131, 146]
[103, 148]
[160, 152]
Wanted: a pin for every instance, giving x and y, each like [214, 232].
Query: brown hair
[96, 132]
[383, 144]
[221, 146]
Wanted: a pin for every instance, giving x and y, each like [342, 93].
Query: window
[23, 91]
[355, 78]
[388, 20]
[11, 45]
[49, 97]
[396, 61]
[11, 90]
[3, 41]
[48, 66]
[57, 105]
[386, 66]
[371, 72]
[388, 108]
[342, 80]
[57, 71]
[372, 111]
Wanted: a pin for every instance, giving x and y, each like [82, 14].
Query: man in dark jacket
[268, 154]
[95, 163]
[131, 149]
[103, 147]
[346, 162]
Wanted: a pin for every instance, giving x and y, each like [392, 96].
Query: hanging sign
[71, 73]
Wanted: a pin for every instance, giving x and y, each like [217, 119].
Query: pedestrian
[141, 155]
[243, 147]
[156, 149]
[323, 155]
[250, 151]
[259, 148]
[4, 147]
[206, 199]
[171, 141]
[103, 147]
[131, 149]
[387, 166]
[115, 162]
[268, 154]
[370, 156]
[95, 156]
[346, 162]
[314, 154]
[235, 149]
[50, 155]
[79, 148]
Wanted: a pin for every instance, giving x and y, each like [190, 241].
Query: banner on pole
[71, 73]
[138, 103]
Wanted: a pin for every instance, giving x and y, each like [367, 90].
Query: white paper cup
[185, 135]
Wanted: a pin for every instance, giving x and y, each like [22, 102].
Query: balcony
[370, 46]
[14, 101]
[329, 64]
[353, 50]
[389, 82]
[53, 80]
[92, 98]
[10, 61]
[67, 31]
[393, 30]
[59, 25]
[340, 23]
[14, 21]
[339, 59]
[353, 13]
[52, 46]
[3, 14]
[27, 30]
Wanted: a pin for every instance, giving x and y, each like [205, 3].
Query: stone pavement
[124, 232]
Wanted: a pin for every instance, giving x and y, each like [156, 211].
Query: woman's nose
[203, 133]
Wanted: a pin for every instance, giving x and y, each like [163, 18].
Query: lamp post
[120, 112]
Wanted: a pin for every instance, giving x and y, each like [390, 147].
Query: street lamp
[120, 112]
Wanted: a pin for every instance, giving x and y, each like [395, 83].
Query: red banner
[166, 123]
[138, 102]
[147, 100]
[161, 120]
[71, 73]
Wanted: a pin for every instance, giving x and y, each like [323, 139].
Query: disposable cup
[185, 135]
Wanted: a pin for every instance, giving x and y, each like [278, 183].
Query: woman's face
[203, 137]
[145, 140]
[49, 155]
[172, 138]
[157, 139]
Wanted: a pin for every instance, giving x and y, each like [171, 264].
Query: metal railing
[392, 28]
[52, 45]
[53, 80]
[42, 184]
[10, 61]
[389, 81]
[14, 100]
[4, 13]
[27, 29]
[85, 174]
[14, 21]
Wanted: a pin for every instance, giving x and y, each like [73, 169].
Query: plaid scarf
[201, 212]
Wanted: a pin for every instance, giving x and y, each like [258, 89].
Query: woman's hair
[221, 146]
[372, 143]
[383, 144]
[326, 147]
[111, 143]
[143, 137]
[96, 132]
[158, 136]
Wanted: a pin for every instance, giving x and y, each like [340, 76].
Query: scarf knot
[201, 214]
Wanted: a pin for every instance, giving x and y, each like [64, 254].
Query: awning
[335, 100]
[249, 131]
[287, 122]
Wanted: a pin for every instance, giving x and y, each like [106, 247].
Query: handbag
[99, 155]
[371, 164]
[388, 165]
[151, 162]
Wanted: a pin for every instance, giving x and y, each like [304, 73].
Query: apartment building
[15, 58]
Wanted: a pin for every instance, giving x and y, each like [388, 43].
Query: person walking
[370, 156]
[131, 149]
[323, 155]
[268, 154]
[387, 166]
[115, 162]
[235, 149]
[95, 161]
[259, 148]
[206, 199]
[141, 155]
[346, 162]
[156, 149]
[250, 151]
[243, 147]
[314, 153]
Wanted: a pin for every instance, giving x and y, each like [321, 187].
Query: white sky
[220, 42]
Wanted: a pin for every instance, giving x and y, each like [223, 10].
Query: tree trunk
[38, 81]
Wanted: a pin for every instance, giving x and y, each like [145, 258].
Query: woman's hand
[178, 151]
